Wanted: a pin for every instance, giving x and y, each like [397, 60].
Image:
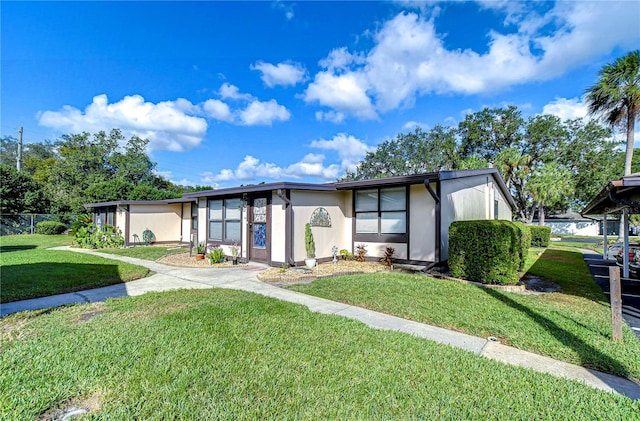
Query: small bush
[92, 237]
[50, 227]
[361, 250]
[540, 236]
[388, 256]
[216, 255]
[525, 243]
[346, 254]
[485, 251]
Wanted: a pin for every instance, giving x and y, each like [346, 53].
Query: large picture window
[381, 212]
[224, 220]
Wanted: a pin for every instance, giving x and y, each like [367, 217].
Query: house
[409, 213]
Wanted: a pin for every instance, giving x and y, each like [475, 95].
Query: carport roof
[617, 195]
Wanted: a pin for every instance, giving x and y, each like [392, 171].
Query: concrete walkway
[170, 278]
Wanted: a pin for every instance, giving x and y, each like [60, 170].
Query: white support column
[605, 244]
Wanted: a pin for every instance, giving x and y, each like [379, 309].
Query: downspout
[288, 242]
[127, 226]
[436, 197]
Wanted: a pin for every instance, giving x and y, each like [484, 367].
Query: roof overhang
[258, 188]
[616, 196]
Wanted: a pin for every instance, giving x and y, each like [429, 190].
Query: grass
[573, 325]
[145, 252]
[29, 270]
[221, 354]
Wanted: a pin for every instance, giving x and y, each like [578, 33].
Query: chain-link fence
[25, 223]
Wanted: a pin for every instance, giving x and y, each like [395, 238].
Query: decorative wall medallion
[320, 218]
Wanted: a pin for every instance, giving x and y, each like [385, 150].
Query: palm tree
[616, 97]
[548, 185]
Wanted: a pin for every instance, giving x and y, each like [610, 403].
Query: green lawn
[29, 270]
[146, 252]
[221, 354]
[573, 325]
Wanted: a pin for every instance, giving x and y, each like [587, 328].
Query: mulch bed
[183, 260]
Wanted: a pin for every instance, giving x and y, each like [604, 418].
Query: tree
[616, 97]
[19, 192]
[549, 185]
[486, 133]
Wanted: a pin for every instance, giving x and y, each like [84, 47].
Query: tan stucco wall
[186, 222]
[163, 220]
[304, 203]
[377, 249]
[202, 219]
[422, 223]
[121, 219]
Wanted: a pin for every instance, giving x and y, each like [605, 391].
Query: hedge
[525, 243]
[487, 251]
[540, 235]
[50, 227]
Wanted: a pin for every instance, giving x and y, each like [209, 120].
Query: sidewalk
[169, 278]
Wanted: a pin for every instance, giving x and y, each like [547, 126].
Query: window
[194, 216]
[496, 208]
[224, 219]
[381, 212]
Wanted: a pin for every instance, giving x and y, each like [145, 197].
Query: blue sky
[232, 93]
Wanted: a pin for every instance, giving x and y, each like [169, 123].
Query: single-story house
[412, 214]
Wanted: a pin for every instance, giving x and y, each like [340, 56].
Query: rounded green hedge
[540, 235]
[487, 251]
[50, 227]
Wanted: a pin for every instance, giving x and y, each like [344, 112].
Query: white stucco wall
[202, 219]
[304, 203]
[422, 223]
[278, 229]
[469, 198]
[121, 219]
[163, 220]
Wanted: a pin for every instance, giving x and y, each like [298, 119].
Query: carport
[619, 197]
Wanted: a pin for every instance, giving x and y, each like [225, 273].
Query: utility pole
[19, 164]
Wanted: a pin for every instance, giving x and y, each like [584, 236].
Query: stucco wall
[278, 229]
[121, 219]
[202, 219]
[377, 249]
[304, 203]
[469, 198]
[163, 220]
[422, 223]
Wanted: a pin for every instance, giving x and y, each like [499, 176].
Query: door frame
[251, 254]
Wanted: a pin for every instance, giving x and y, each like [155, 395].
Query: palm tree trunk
[540, 215]
[630, 139]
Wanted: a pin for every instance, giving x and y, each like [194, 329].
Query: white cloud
[286, 7]
[283, 74]
[332, 116]
[409, 57]
[263, 113]
[566, 109]
[167, 125]
[350, 149]
[217, 109]
[229, 91]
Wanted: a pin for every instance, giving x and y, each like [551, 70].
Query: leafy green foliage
[346, 254]
[540, 236]
[50, 227]
[19, 192]
[525, 242]
[485, 251]
[309, 244]
[92, 237]
[201, 247]
[216, 255]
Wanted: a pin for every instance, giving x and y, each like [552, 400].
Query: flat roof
[261, 188]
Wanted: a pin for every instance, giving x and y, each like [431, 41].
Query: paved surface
[168, 278]
[599, 268]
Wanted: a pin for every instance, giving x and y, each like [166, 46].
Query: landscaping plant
[92, 237]
[361, 251]
[216, 255]
[309, 244]
[388, 256]
[540, 236]
[50, 227]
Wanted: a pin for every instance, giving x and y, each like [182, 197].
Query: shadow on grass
[7, 249]
[590, 356]
[568, 269]
[34, 280]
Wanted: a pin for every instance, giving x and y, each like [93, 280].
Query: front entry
[259, 229]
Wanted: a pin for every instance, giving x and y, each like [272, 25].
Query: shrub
[309, 244]
[388, 256]
[216, 255]
[525, 243]
[90, 236]
[50, 227]
[485, 251]
[346, 254]
[540, 236]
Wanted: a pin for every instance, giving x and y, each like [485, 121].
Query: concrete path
[169, 278]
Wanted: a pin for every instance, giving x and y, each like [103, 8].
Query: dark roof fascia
[261, 188]
[421, 178]
[126, 202]
[387, 181]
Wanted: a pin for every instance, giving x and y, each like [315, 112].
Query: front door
[260, 236]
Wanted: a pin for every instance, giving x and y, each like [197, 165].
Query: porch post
[605, 245]
[625, 227]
